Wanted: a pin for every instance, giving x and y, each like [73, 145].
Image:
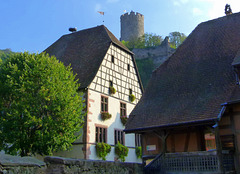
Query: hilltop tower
[132, 26]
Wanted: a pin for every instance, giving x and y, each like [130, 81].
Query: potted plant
[105, 116]
[121, 151]
[124, 119]
[112, 90]
[132, 97]
[138, 150]
[103, 149]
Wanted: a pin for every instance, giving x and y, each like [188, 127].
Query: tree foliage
[145, 68]
[40, 108]
[176, 38]
[146, 41]
[4, 54]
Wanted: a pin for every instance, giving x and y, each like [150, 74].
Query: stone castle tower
[132, 26]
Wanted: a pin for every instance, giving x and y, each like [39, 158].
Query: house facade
[101, 62]
[189, 114]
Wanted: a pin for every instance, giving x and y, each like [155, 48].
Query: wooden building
[101, 62]
[189, 115]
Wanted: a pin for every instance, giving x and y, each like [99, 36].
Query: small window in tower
[128, 67]
[112, 59]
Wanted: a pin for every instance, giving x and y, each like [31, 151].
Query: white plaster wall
[113, 123]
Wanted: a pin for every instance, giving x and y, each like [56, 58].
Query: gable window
[104, 104]
[101, 134]
[123, 110]
[128, 67]
[130, 91]
[137, 139]
[119, 136]
[110, 83]
[112, 59]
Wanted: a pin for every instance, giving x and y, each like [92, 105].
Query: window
[128, 67]
[130, 91]
[104, 104]
[112, 59]
[110, 83]
[137, 139]
[123, 109]
[119, 136]
[101, 134]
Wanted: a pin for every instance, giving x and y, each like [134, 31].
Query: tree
[176, 38]
[40, 106]
[148, 40]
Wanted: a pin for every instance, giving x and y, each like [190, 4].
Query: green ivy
[121, 151]
[103, 149]
[138, 150]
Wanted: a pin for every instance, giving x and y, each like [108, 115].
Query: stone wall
[158, 54]
[57, 165]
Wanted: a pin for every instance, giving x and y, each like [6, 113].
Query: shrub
[121, 151]
[105, 116]
[103, 149]
[123, 119]
[138, 150]
[132, 97]
[112, 90]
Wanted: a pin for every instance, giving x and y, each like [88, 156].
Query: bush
[105, 116]
[112, 90]
[132, 97]
[123, 119]
[121, 151]
[138, 150]
[103, 149]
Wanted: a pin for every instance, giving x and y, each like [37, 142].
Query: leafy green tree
[40, 106]
[145, 68]
[152, 40]
[146, 41]
[176, 38]
[4, 54]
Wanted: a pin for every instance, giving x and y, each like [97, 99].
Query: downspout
[218, 140]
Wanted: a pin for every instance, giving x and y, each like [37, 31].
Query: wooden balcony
[190, 162]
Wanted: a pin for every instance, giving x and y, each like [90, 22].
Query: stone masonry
[132, 26]
[158, 54]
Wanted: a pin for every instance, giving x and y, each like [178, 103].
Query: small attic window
[110, 83]
[128, 67]
[130, 91]
[112, 59]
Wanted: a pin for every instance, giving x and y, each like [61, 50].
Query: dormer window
[128, 67]
[112, 59]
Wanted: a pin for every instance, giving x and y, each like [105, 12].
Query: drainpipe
[218, 141]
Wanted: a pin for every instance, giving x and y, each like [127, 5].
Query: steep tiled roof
[85, 51]
[193, 83]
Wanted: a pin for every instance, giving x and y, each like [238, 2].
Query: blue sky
[33, 25]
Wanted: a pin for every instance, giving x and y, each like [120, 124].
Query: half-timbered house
[189, 115]
[107, 73]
